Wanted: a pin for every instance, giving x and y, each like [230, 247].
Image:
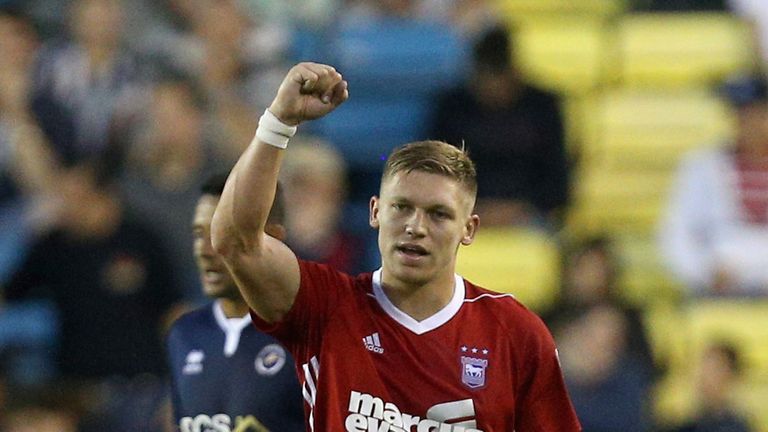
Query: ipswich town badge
[473, 372]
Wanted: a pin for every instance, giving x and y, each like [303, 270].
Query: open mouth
[412, 250]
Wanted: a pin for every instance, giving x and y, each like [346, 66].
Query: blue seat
[399, 56]
[365, 130]
[394, 68]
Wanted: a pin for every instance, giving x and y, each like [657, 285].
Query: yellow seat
[637, 129]
[616, 202]
[519, 261]
[566, 54]
[520, 9]
[682, 49]
[631, 144]
[645, 280]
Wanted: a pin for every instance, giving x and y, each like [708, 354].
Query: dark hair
[169, 75]
[493, 49]
[214, 185]
[600, 244]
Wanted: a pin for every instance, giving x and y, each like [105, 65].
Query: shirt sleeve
[543, 401]
[303, 326]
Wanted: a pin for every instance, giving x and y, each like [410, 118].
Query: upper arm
[268, 277]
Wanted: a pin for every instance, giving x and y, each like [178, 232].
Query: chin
[412, 275]
[212, 291]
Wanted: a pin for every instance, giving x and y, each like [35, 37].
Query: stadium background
[637, 87]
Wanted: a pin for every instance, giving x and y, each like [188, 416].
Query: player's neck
[420, 301]
[233, 308]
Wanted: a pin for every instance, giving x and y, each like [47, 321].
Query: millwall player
[226, 375]
[412, 346]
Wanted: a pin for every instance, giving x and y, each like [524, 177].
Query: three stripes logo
[372, 343]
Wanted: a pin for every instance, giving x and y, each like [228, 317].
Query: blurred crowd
[112, 114]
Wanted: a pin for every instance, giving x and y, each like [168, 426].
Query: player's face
[217, 282]
[422, 218]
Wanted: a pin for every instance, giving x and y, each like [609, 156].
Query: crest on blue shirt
[270, 360]
[473, 371]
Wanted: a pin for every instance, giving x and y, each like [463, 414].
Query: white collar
[420, 327]
[232, 328]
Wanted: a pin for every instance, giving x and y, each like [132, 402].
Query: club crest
[473, 371]
[270, 360]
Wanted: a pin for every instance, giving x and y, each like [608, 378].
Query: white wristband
[273, 131]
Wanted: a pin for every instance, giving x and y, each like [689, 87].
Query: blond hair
[434, 157]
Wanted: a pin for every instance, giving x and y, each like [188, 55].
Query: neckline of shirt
[232, 328]
[428, 324]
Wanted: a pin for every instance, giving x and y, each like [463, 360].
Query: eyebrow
[435, 206]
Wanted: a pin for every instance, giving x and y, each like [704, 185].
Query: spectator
[718, 374]
[27, 165]
[608, 387]
[714, 234]
[315, 178]
[604, 349]
[108, 276]
[86, 85]
[170, 153]
[590, 278]
[515, 134]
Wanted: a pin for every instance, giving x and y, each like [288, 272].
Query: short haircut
[433, 157]
[214, 185]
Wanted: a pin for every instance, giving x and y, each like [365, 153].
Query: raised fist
[309, 91]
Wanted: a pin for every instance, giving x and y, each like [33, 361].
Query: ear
[470, 228]
[373, 217]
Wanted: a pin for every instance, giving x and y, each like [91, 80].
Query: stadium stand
[520, 261]
[674, 50]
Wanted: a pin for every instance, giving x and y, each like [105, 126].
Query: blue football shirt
[229, 377]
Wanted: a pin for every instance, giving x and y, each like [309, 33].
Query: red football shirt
[482, 363]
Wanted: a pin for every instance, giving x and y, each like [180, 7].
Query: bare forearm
[247, 198]
[265, 269]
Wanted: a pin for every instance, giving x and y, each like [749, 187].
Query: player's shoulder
[507, 309]
[193, 320]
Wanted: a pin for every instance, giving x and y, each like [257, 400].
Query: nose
[414, 226]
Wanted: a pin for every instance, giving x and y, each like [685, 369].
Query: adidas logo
[373, 343]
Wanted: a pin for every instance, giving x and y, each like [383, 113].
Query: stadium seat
[682, 49]
[616, 202]
[566, 54]
[522, 9]
[647, 129]
[645, 281]
[397, 57]
[366, 129]
[631, 142]
[394, 68]
[520, 261]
